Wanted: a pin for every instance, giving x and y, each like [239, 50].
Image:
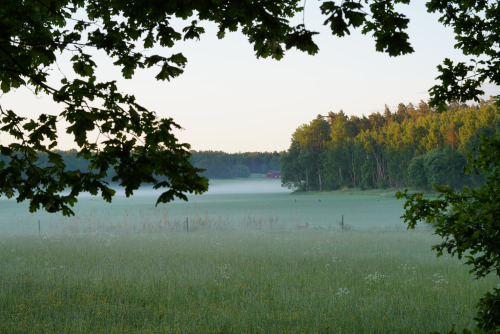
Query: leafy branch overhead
[113, 131]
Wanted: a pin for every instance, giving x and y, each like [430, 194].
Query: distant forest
[412, 146]
[217, 165]
[220, 165]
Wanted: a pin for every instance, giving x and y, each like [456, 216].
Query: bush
[241, 171]
[416, 173]
[435, 167]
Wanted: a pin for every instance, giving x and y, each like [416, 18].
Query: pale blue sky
[228, 100]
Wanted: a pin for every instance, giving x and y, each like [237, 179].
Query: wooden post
[187, 224]
[342, 222]
[39, 229]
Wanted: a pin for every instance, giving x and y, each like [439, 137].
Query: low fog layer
[219, 187]
[253, 204]
[246, 187]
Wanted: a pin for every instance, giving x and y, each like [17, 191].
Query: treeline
[413, 146]
[217, 165]
[220, 165]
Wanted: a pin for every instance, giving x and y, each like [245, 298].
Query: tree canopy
[411, 146]
[139, 146]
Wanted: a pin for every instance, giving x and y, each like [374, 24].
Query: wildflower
[342, 292]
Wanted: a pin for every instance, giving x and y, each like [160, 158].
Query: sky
[228, 100]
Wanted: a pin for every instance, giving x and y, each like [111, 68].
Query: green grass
[242, 268]
[234, 282]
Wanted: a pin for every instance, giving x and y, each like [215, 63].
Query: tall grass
[229, 263]
[245, 281]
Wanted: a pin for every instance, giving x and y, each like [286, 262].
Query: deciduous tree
[132, 142]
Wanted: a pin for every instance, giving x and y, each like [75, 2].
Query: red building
[273, 174]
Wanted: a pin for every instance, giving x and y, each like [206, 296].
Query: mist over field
[229, 187]
[228, 204]
[247, 256]
[216, 187]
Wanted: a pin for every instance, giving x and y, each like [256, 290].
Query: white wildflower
[342, 292]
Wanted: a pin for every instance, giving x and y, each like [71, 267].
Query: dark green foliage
[220, 165]
[467, 220]
[416, 173]
[455, 163]
[366, 176]
[475, 140]
[489, 312]
[410, 147]
[435, 167]
[292, 171]
[241, 171]
[383, 183]
[475, 24]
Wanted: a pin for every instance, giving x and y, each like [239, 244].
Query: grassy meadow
[231, 261]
